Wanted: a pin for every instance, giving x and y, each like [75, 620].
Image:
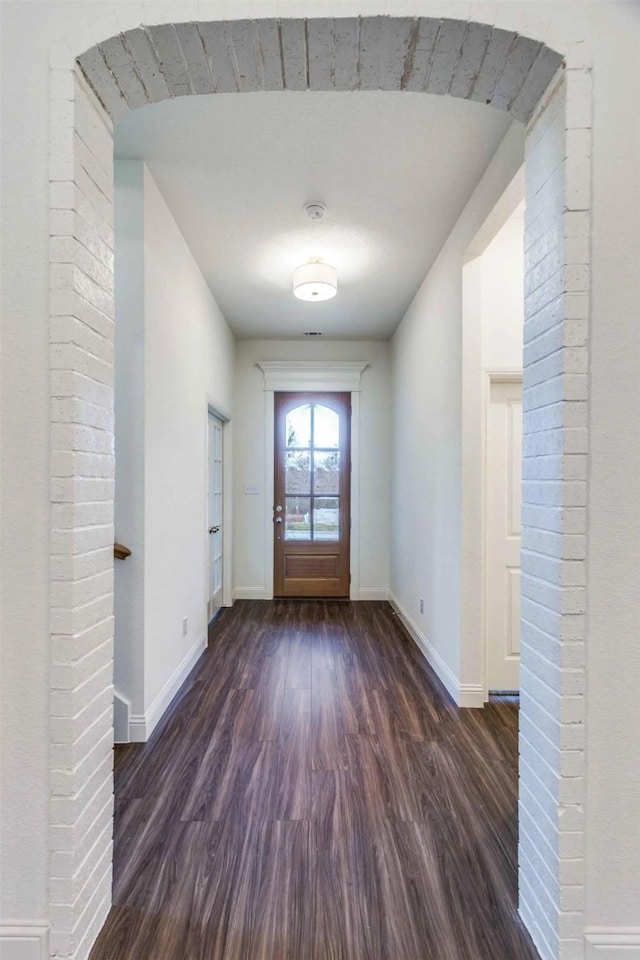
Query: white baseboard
[138, 728]
[612, 943]
[463, 694]
[364, 593]
[141, 726]
[471, 695]
[431, 655]
[243, 593]
[24, 940]
[373, 593]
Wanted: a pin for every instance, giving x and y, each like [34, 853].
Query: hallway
[313, 795]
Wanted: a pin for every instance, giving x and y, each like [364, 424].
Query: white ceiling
[395, 170]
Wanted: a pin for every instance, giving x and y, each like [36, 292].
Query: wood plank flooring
[313, 794]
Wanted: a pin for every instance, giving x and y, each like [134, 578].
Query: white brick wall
[558, 154]
[82, 465]
[462, 59]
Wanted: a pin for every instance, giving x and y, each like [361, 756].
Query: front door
[312, 494]
[503, 534]
[214, 514]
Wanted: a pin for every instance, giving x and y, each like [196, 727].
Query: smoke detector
[315, 210]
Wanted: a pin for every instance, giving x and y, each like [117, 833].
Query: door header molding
[339, 376]
[504, 374]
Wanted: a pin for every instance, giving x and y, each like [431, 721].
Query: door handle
[214, 529]
[278, 520]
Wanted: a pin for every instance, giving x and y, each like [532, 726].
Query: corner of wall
[142, 725]
[462, 694]
[121, 718]
[429, 501]
[129, 405]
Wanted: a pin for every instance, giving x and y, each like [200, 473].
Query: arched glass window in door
[312, 473]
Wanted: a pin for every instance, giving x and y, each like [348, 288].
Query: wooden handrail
[120, 552]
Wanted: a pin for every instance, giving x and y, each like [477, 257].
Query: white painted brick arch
[449, 57]
[473, 61]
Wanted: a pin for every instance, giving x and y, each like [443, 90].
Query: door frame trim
[490, 375]
[227, 506]
[330, 376]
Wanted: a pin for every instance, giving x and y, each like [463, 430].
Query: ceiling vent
[312, 333]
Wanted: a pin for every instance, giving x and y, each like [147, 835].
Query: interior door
[503, 534]
[214, 514]
[312, 494]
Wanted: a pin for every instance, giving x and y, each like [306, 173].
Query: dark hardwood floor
[314, 795]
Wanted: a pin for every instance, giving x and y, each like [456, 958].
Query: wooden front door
[312, 494]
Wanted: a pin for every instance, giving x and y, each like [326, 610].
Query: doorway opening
[493, 366]
[522, 76]
[503, 531]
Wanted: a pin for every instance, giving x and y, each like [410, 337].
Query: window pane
[326, 472]
[297, 516]
[326, 518]
[298, 427]
[326, 427]
[298, 471]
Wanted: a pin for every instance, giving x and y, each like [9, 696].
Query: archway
[447, 57]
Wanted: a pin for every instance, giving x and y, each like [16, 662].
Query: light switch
[251, 490]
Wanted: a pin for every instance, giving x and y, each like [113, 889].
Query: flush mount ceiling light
[315, 281]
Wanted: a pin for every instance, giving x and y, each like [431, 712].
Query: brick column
[82, 482]
[552, 734]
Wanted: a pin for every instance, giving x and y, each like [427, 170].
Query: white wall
[502, 296]
[613, 559]
[427, 438]
[173, 359]
[250, 456]
[24, 576]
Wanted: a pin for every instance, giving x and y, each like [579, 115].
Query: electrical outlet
[421, 605]
[185, 626]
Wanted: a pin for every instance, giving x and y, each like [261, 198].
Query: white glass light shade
[315, 281]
